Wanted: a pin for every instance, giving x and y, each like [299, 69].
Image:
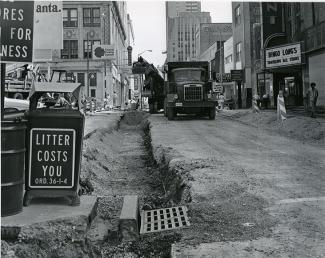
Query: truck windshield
[188, 75]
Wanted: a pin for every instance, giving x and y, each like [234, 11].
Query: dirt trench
[117, 162]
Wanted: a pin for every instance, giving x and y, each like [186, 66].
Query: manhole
[163, 219]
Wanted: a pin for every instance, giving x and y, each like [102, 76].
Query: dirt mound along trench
[219, 209]
[120, 163]
[117, 162]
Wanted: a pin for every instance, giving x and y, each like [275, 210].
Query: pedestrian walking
[221, 100]
[266, 100]
[312, 96]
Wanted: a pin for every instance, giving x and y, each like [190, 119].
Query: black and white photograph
[162, 129]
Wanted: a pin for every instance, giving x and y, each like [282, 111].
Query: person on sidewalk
[221, 100]
[312, 96]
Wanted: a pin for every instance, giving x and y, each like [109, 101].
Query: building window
[81, 79]
[70, 17]
[91, 17]
[70, 49]
[228, 59]
[90, 47]
[238, 52]
[92, 79]
[237, 15]
[93, 93]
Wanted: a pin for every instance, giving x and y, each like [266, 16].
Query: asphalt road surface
[252, 187]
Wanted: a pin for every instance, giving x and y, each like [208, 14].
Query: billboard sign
[16, 31]
[104, 52]
[48, 29]
[52, 158]
[283, 55]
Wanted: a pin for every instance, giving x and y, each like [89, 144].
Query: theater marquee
[283, 56]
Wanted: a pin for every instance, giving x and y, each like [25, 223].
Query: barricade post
[281, 109]
[256, 108]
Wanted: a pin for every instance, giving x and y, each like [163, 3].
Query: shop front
[283, 71]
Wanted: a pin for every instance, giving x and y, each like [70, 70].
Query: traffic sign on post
[16, 27]
[237, 75]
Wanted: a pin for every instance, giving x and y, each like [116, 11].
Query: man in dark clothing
[312, 96]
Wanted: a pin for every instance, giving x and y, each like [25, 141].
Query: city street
[257, 193]
[157, 129]
[250, 192]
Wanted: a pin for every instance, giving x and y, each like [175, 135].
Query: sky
[149, 25]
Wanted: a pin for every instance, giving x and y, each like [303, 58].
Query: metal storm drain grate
[163, 219]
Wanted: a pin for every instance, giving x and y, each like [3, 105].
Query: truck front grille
[193, 92]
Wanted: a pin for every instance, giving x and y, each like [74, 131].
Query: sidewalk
[44, 211]
[103, 119]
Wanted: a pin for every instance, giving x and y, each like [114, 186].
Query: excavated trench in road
[117, 161]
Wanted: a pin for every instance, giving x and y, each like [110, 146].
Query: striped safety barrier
[255, 106]
[281, 109]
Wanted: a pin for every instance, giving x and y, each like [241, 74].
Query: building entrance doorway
[291, 85]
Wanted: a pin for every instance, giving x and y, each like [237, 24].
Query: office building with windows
[88, 23]
[182, 22]
[295, 32]
[244, 16]
[210, 33]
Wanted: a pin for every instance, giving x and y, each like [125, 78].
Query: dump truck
[153, 85]
[188, 90]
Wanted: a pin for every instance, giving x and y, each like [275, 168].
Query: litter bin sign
[54, 146]
[52, 157]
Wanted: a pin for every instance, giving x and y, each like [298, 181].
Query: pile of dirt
[300, 127]
[118, 163]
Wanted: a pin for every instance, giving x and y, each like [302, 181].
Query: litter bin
[54, 137]
[12, 166]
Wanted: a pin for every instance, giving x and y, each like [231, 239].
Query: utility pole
[88, 79]
[104, 21]
[3, 75]
[220, 63]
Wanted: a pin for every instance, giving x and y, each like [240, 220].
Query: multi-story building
[280, 46]
[305, 23]
[182, 22]
[244, 16]
[88, 23]
[173, 8]
[209, 33]
[210, 56]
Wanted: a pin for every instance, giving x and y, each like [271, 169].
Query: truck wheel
[212, 113]
[151, 111]
[170, 113]
[165, 108]
[18, 96]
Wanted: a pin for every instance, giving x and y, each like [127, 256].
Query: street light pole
[220, 64]
[88, 86]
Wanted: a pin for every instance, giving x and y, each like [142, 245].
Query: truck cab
[188, 90]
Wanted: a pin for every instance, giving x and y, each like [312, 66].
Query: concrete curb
[129, 221]
[39, 213]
